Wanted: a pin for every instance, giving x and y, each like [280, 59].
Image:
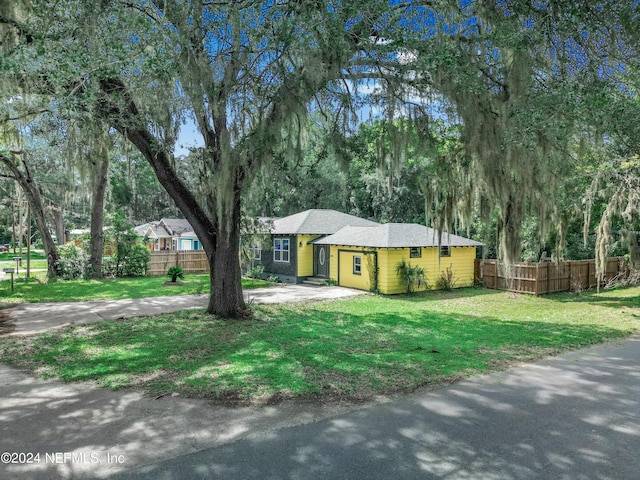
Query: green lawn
[352, 349]
[38, 290]
[8, 256]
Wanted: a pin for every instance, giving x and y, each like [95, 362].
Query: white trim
[357, 266]
[281, 254]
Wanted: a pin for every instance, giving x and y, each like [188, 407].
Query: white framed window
[257, 253]
[357, 265]
[415, 252]
[281, 250]
[445, 251]
[174, 244]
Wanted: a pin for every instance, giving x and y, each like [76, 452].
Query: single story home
[318, 245]
[366, 257]
[292, 257]
[169, 234]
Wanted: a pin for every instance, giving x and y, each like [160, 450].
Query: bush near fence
[548, 277]
[191, 261]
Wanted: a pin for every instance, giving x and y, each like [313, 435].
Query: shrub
[176, 272]
[136, 261]
[411, 277]
[257, 271]
[132, 262]
[72, 261]
[273, 279]
[447, 279]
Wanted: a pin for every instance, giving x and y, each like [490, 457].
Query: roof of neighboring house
[176, 226]
[316, 221]
[83, 231]
[165, 228]
[394, 235]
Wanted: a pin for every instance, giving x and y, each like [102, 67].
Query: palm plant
[176, 272]
[412, 277]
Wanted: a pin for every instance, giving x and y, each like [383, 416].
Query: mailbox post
[11, 271]
[18, 261]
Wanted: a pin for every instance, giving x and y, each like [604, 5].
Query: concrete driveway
[28, 318]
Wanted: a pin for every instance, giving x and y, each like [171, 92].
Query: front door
[321, 261]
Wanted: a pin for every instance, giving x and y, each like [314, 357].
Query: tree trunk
[219, 238]
[633, 241]
[226, 298]
[13, 224]
[96, 245]
[37, 209]
[58, 222]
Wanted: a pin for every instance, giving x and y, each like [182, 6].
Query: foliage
[331, 282]
[412, 278]
[130, 258]
[379, 345]
[257, 271]
[273, 279]
[447, 279]
[72, 261]
[135, 190]
[618, 181]
[519, 83]
[175, 272]
[374, 270]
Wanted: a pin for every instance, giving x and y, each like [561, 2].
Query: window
[415, 252]
[445, 251]
[174, 244]
[196, 244]
[257, 253]
[357, 265]
[281, 250]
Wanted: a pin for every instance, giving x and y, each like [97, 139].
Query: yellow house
[366, 257]
[319, 245]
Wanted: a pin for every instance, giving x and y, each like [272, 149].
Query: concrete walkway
[29, 318]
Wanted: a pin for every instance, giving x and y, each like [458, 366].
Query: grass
[39, 290]
[351, 349]
[9, 256]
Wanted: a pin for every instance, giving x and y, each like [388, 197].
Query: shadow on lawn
[620, 298]
[320, 352]
[572, 419]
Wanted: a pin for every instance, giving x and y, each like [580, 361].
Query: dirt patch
[6, 322]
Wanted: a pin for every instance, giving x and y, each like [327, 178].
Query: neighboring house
[76, 234]
[318, 245]
[169, 234]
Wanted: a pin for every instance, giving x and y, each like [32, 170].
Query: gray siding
[287, 271]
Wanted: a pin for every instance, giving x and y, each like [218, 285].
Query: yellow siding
[305, 255]
[461, 262]
[347, 277]
[333, 262]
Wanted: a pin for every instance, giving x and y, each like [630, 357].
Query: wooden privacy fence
[548, 277]
[191, 261]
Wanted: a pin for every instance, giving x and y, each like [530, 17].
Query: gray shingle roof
[316, 221]
[167, 227]
[394, 235]
[177, 225]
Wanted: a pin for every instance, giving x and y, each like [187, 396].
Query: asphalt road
[574, 417]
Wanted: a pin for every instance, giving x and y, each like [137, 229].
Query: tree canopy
[518, 82]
